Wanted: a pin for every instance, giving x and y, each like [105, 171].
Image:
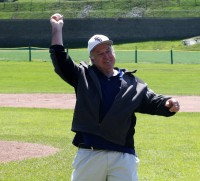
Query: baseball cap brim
[108, 42]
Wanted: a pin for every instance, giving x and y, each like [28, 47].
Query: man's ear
[91, 59]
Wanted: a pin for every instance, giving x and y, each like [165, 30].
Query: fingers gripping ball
[56, 21]
[173, 105]
[57, 17]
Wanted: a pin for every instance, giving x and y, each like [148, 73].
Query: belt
[88, 147]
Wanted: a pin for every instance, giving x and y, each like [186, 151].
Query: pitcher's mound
[13, 151]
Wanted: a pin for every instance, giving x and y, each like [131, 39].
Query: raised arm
[63, 64]
[56, 21]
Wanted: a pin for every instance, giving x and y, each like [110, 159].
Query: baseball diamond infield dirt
[13, 150]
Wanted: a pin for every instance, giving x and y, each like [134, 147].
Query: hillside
[41, 9]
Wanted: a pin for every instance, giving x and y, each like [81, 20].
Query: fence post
[146, 4]
[4, 5]
[31, 4]
[179, 3]
[44, 8]
[29, 48]
[171, 53]
[136, 54]
[114, 4]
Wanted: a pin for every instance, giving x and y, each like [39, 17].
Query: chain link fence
[122, 56]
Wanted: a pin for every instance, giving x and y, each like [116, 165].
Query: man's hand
[173, 105]
[56, 21]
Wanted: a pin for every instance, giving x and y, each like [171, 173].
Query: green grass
[170, 79]
[28, 9]
[167, 147]
[39, 77]
[158, 45]
[45, 126]
[34, 77]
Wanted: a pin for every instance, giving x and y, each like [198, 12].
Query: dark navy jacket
[117, 126]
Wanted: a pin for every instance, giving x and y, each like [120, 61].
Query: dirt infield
[12, 151]
[67, 101]
[15, 151]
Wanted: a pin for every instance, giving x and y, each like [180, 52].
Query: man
[104, 115]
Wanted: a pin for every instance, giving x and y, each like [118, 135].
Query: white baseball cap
[97, 40]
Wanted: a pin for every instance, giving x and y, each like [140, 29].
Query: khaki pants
[100, 165]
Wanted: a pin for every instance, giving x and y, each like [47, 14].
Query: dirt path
[67, 101]
[60, 101]
[15, 151]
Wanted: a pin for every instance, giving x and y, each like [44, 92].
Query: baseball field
[168, 148]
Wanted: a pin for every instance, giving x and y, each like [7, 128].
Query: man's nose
[106, 55]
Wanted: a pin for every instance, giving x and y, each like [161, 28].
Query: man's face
[103, 58]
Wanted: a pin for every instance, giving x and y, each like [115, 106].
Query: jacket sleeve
[63, 65]
[154, 104]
